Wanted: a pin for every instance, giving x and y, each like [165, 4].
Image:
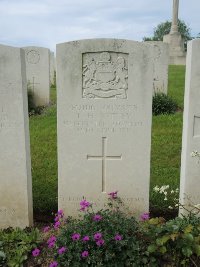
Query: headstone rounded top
[33, 56]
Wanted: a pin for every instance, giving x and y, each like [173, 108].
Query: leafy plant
[176, 241]
[163, 104]
[164, 201]
[108, 237]
[16, 244]
[2, 255]
[32, 108]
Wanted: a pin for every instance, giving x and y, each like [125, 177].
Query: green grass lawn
[165, 156]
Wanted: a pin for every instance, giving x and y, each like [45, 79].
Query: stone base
[176, 48]
[177, 60]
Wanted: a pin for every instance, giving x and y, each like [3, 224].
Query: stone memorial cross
[174, 26]
[103, 158]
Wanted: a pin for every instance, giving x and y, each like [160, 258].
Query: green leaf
[188, 237]
[163, 249]
[152, 248]
[187, 251]
[197, 250]
[188, 229]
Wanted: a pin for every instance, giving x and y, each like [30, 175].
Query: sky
[48, 22]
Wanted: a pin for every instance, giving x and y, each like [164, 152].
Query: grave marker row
[104, 126]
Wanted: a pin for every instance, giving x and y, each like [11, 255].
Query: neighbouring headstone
[104, 122]
[161, 63]
[52, 68]
[15, 163]
[38, 73]
[190, 166]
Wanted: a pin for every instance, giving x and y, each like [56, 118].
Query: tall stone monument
[15, 163]
[104, 122]
[190, 166]
[175, 40]
[38, 73]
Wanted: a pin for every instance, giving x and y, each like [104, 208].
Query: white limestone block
[190, 166]
[38, 73]
[104, 122]
[15, 164]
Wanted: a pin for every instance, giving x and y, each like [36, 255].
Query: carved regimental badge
[105, 75]
[33, 57]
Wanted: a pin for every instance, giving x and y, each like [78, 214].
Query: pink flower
[84, 205]
[61, 213]
[53, 264]
[97, 236]
[35, 252]
[62, 250]
[113, 195]
[51, 245]
[76, 236]
[85, 254]
[97, 218]
[145, 216]
[46, 229]
[57, 218]
[51, 239]
[100, 242]
[57, 225]
[118, 237]
[86, 238]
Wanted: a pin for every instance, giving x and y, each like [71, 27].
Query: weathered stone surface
[38, 73]
[190, 166]
[104, 122]
[52, 68]
[15, 164]
[161, 62]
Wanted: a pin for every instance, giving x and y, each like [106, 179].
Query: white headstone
[15, 163]
[52, 68]
[190, 166]
[38, 73]
[161, 62]
[104, 122]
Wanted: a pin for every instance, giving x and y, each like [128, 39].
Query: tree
[164, 28]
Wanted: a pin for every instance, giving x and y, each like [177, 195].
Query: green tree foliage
[164, 28]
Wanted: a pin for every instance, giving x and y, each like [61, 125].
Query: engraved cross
[103, 159]
[33, 83]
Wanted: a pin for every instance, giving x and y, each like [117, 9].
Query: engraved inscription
[103, 158]
[7, 212]
[33, 57]
[6, 121]
[104, 119]
[105, 75]
[10, 88]
[196, 126]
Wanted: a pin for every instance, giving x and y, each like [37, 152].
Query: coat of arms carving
[105, 75]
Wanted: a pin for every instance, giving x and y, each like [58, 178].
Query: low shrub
[16, 244]
[2, 255]
[113, 237]
[32, 108]
[176, 242]
[163, 104]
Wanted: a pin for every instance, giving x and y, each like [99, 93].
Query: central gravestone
[104, 122]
